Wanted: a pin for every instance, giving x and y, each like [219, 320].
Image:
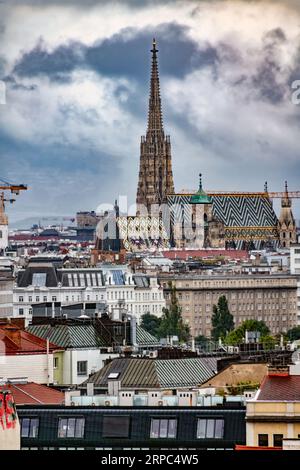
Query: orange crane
[13, 188]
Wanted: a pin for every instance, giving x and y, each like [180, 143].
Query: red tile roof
[276, 388]
[14, 340]
[34, 394]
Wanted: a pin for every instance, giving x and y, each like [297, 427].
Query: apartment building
[270, 298]
[273, 415]
[45, 283]
[295, 269]
[6, 287]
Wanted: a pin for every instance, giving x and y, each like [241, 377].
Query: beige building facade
[270, 298]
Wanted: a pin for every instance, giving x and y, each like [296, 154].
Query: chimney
[14, 334]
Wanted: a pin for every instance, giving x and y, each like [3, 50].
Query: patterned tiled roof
[244, 217]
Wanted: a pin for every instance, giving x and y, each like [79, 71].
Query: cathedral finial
[266, 186]
[154, 46]
[286, 187]
[200, 181]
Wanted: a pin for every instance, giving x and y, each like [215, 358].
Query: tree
[222, 320]
[200, 339]
[172, 323]
[294, 333]
[150, 323]
[268, 342]
[237, 336]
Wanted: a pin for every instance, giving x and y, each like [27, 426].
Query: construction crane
[13, 188]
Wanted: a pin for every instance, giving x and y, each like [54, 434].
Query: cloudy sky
[77, 80]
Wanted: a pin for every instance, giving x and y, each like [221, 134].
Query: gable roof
[153, 373]
[276, 388]
[69, 336]
[32, 393]
[144, 338]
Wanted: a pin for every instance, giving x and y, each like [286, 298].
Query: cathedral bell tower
[286, 223]
[155, 175]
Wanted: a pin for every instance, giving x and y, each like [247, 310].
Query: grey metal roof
[140, 373]
[144, 338]
[69, 336]
[186, 372]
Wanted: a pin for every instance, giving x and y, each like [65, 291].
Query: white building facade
[43, 283]
[295, 269]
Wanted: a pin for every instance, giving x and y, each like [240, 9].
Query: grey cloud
[124, 54]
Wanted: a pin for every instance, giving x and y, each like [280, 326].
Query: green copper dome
[200, 197]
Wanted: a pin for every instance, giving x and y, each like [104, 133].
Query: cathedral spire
[155, 122]
[155, 175]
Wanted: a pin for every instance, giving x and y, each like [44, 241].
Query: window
[115, 426]
[263, 440]
[163, 428]
[21, 311]
[55, 362]
[210, 428]
[81, 367]
[45, 298]
[39, 279]
[21, 299]
[277, 440]
[37, 299]
[71, 427]
[54, 298]
[30, 298]
[29, 427]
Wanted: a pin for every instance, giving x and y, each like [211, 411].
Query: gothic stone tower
[286, 223]
[155, 176]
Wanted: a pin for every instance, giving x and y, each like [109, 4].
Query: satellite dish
[296, 356]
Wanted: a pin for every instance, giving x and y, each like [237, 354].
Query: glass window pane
[34, 427]
[219, 428]
[71, 427]
[172, 428]
[62, 427]
[263, 440]
[79, 432]
[163, 430]
[201, 429]
[154, 428]
[210, 428]
[25, 427]
[116, 426]
[277, 440]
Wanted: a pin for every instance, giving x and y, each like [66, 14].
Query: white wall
[93, 357]
[295, 259]
[35, 367]
[3, 237]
